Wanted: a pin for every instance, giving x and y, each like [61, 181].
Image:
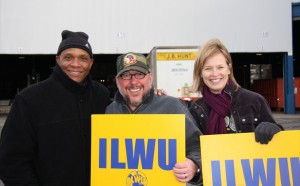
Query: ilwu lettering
[138, 153]
[259, 173]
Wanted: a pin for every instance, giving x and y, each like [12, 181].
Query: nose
[75, 62]
[214, 71]
[133, 80]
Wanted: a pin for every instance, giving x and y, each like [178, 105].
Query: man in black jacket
[46, 137]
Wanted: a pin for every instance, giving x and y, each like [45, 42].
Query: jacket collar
[69, 83]
[231, 89]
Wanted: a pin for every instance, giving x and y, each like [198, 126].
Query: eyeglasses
[128, 76]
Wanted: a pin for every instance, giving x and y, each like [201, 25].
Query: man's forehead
[75, 50]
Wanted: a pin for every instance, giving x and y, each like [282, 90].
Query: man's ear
[92, 62]
[57, 59]
[117, 81]
[151, 77]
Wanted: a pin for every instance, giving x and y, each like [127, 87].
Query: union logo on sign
[136, 178]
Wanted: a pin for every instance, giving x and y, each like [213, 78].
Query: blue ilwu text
[259, 173]
[139, 153]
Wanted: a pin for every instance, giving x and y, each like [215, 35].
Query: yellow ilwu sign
[132, 149]
[236, 159]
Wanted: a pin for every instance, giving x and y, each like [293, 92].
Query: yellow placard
[167, 56]
[136, 149]
[236, 159]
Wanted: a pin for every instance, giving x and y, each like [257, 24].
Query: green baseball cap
[132, 61]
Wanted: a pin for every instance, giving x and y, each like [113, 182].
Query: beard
[135, 103]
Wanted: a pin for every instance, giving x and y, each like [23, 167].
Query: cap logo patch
[129, 59]
[87, 45]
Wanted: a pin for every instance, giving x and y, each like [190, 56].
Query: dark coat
[46, 137]
[248, 109]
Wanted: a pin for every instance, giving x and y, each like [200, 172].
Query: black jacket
[46, 137]
[248, 109]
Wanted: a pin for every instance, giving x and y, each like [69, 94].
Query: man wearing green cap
[135, 95]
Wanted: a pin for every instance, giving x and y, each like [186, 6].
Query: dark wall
[17, 72]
